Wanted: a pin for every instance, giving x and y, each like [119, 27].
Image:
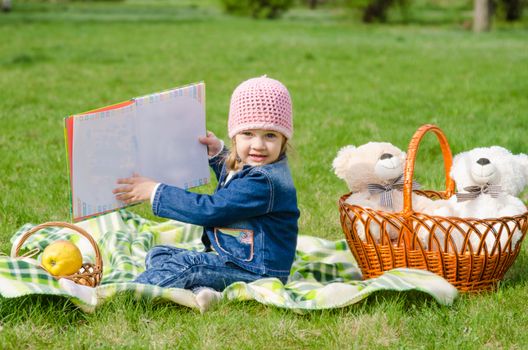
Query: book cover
[155, 136]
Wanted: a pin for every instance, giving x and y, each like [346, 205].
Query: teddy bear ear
[522, 159]
[459, 161]
[455, 164]
[403, 157]
[459, 170]
[340, 163]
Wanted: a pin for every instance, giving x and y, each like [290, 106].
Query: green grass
[350, 84]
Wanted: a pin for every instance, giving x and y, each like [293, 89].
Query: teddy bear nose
[483, 161]
[386, 156]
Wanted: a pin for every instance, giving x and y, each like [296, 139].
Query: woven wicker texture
[89, 274]
[472, 254]
[260, 103]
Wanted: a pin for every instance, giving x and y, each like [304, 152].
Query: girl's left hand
[137, 189]
[213, 143]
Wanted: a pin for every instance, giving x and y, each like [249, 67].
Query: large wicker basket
[89, 274]
[472, 254]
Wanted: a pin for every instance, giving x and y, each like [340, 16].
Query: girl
[250, 222]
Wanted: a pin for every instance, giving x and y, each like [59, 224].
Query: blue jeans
[172, 267]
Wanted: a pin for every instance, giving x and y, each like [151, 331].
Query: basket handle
[98, 259]
[411, 157]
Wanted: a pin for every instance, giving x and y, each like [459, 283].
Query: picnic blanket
[324, 274]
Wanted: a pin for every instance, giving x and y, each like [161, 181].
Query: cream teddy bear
[488, 181]
[374, 174]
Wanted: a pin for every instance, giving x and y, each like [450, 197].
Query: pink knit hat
[260, 103]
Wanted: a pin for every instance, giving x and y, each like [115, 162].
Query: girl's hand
[136, 189]
[213, 143]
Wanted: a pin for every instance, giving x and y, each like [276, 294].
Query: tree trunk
[6, 5]
[513, 9]
[376, 11]
[482, 16]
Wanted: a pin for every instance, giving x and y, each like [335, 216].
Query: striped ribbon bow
[475, 191]
[386, 190]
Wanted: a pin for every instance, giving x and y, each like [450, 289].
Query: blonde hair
[233, 161]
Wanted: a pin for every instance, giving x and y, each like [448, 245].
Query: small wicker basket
[89, 274]
[472, 254]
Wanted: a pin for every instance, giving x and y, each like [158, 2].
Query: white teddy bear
[374, 174]
[488, 181]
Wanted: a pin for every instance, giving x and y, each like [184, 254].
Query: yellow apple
[62, 258]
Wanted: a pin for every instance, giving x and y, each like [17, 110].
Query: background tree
[257, 8]
[512, 9]
[376, 10]
[482, 15]
[314, 3]
[6, 5]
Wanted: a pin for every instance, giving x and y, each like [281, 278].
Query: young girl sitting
[250, 222]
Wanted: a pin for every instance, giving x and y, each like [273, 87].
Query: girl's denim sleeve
[244, 198]
[217, 162]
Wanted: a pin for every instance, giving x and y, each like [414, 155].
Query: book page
[168, 127]
[105, 148]
[155, 136]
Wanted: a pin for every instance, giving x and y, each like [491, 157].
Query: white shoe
[207, 297]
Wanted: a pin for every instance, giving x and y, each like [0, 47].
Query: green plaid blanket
[324, 274]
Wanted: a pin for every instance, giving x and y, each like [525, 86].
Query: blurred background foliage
[368, 11]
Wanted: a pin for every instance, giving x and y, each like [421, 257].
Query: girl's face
[258, 147]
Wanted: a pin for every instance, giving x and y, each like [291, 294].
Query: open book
[155, 136]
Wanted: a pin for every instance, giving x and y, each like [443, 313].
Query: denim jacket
[250, 221]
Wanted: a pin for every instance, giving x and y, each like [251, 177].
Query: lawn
[350, 84]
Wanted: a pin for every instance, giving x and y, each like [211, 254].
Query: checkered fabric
[324, 274]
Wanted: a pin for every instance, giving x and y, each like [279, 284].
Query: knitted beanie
[260, 103]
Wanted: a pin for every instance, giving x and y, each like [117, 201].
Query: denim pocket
[235, 242]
